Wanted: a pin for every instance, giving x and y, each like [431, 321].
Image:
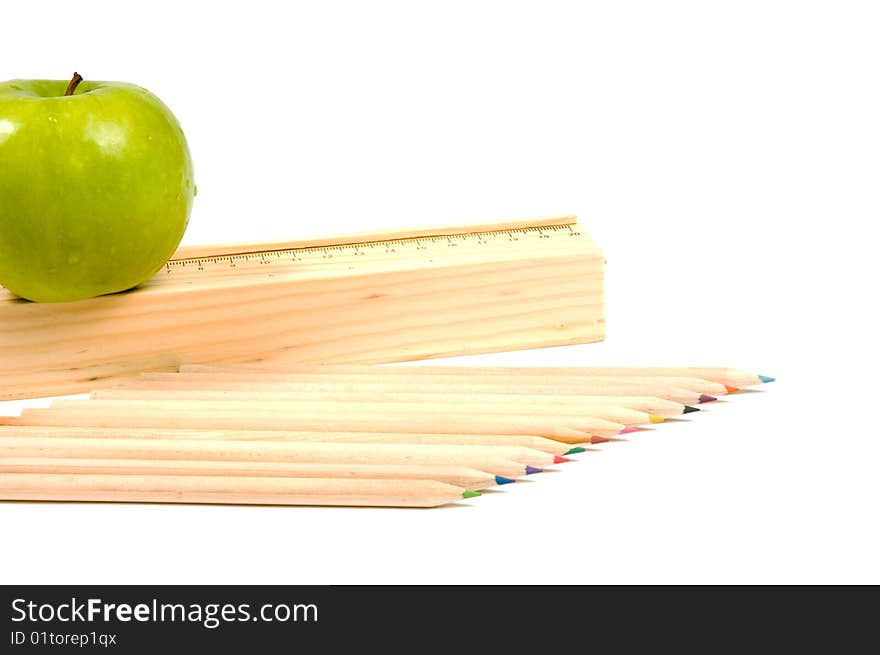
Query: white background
[726, 154]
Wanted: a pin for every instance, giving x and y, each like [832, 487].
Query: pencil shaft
[259, 451]
[538, 443]
[493, 384]
[406, 403]
[721, 375]
[381, 392]
[211, 418]
[226, 490]
[322, 452]
[309, 412]
[458, 476]
[416, 373]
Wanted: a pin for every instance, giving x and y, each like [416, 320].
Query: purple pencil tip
[706, 399]
[533, 469]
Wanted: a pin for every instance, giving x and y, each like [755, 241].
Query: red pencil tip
[558, 459]
[597, 439]
[629, 429]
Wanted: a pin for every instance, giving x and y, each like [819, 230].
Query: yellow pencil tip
[656, 419]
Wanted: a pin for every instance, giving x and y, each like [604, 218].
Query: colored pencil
[188, 416]
[489, 384]
[402, 392]
[370, 453]
[730, 377]
[538, 443]
[722, 375]
[442, 374]
[436, 403]
[229, 490]
[478, 457]
[459, 476]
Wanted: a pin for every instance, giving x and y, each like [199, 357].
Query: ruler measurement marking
[386, 247]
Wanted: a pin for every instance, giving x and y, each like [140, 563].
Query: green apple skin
[96, 188]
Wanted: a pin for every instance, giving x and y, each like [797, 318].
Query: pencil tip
[656, 419]
[766, 378]
[706, 399]
[575, 450]
[597, 439]
[731, 389]
[688, 409]
[557, 459]
[467, 493]
[629, 429]
[500, 479]
[533, 469]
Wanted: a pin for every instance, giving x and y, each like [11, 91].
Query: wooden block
[363, 299]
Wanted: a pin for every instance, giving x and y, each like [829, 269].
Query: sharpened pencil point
[500, 479]
[688, 409]
[707, 399]
[731, 389]
[533, 469]
[628, 430]
[656, 419]
[766, 378]
[467, 493]
[597, 439]
[575, 450]
[557, 459]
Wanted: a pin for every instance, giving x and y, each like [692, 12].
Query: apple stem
[77, 78]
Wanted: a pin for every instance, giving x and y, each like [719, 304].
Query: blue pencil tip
[500, 479]
[533, 469]
[765, 379]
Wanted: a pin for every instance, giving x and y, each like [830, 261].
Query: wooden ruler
[371, 298]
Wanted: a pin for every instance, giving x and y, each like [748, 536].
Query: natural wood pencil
[731, 377]
[490, 384]
[225, 418]
[369, 453]
[313, 415]
[476, 457]
[72, 432]
[379, 392]
[229, 490]
[464, 374]
[722, 375]
[433, 403]
[459, 476]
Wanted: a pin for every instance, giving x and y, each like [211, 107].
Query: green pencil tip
[467, 493]
[574, 451]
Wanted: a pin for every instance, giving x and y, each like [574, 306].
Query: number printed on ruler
[350, 254]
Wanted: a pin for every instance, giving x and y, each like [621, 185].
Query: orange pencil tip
[731, 389]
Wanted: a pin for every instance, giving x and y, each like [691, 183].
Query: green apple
[96, 187]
